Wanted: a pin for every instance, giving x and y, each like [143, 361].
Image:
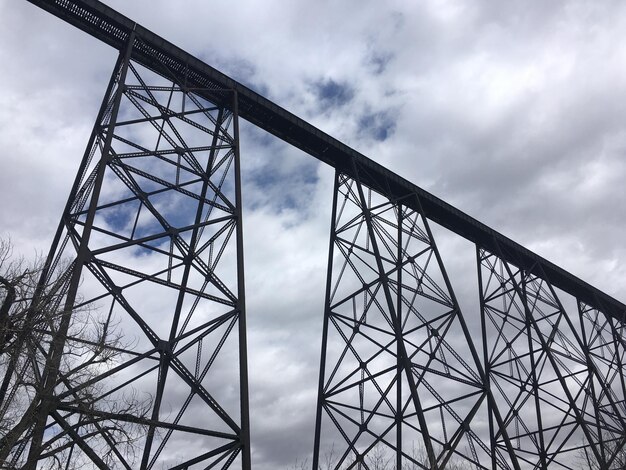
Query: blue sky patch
[378, 62]
[332, 93]
[377, 125]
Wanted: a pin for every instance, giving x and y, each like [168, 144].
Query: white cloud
[512, 111]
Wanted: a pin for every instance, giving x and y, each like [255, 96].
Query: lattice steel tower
[533, 381]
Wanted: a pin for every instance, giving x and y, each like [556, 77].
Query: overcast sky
[513, 111]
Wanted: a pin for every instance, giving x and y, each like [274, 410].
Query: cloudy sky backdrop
[512, 111]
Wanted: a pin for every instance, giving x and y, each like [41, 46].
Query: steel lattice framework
[535, 382]
[159, 180]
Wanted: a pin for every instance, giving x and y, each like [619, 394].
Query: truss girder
[556, 375]
[399, 374]
[151, 240]
[149, 254]
[113, 28]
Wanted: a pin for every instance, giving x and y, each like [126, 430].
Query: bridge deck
[114, 29]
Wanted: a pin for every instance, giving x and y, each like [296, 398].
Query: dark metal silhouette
[533, 383]
[160, 181]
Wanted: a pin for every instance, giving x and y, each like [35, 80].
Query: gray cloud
[330, 93]
[511, 110]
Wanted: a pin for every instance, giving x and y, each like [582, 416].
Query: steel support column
[150, 350]
[562, 402]
[140, 360]
[401, 380]
[605, 350]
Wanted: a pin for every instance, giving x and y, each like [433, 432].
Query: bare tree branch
[30, 318]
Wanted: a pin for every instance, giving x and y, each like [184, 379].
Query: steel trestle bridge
[402, 371]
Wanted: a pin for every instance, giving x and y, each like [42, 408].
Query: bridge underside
[408, 381]
[145, 366]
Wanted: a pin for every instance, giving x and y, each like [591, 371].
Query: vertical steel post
[483, 326]
[392, 313]
[241, 299]
[398, 326]
[533, 366]
[51, 370]
[329, 274]
[590, 377]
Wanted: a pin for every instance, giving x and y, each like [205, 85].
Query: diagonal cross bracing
[555, 374]
[150, 243]
[399, 366]
[393, 373]
[114, 29]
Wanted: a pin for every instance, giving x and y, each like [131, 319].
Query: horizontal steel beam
[114, 29]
